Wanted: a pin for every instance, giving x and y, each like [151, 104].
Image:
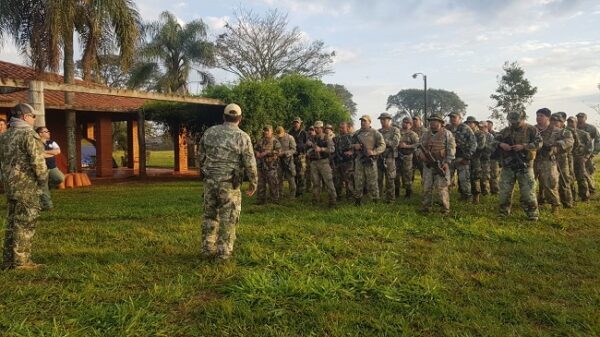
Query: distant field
[123, 260]
[164, 159]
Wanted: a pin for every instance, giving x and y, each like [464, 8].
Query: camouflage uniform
[466, 144]
[518, 167]
[417, 163]
[494, 166]
[300, 137]
[287, 168]
[386, 163]
[405, 161]
[365, 168]
[475, 165]
[24, 173]
[267, 169]
[545, 166]
[225, 152]
[564, 148]
[320, 167]
[589, 164]
[344, 169]
[486, 166]
[581, 152]
[442, 147]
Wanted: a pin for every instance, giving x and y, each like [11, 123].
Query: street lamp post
[424, 93]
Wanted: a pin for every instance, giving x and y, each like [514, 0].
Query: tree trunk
[71, 121]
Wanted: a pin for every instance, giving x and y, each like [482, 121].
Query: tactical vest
[436, 144]
[268, 145]
[519, 136]
[406, 139]
[320, 142]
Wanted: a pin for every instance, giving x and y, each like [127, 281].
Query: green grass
[161, 159]
[123, 260]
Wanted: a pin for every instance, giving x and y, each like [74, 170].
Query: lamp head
[414, 75]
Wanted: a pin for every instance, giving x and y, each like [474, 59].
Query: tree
[409, 102]
[345, 96]
[108, 71]
[261, 48]
[514, 92]
[172, 52]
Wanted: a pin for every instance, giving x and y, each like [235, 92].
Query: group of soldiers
[557, 152]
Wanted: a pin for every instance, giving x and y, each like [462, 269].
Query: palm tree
[41, 27]
[174, 50]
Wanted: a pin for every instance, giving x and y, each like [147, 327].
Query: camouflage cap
[572, 119]
[581, 114]
[544, 111]
[297, 119]
[407, 119]
[483, 124]
[436, 117]
[318, 124]
[329, 126]
[557, 116]
[366, 117]
[23, 109]
[233, 110]
[563, 114]
[384, 115]
[514, 116]
[454, 114]
[471, 119]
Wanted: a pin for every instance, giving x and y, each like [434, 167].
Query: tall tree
[514, 92]
[345, 96]
[173, 50]
[255, 47]
[409, 102]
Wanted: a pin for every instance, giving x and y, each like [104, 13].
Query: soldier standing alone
[225, 153]
[24, 174]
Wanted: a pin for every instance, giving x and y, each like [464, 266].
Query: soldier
[320, 149]
[287, 168]
[475, 167]
[386, 163]
[3, 126]
[593, 132]
[494, 161]
[409, 141]
[582, 149]
[368, 144]
[308, 180]
[267, 155]
[545, 167]
[344, 156]
[485, 158]
[518, 143]
[24, 175]
[419, 129]
[564, 146]
[300, 137]
[466, 145]
[436, 150]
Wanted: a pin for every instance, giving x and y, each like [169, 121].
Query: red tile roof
[56, 100]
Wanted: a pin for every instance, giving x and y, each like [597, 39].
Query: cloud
[343, 55]
[216, 24]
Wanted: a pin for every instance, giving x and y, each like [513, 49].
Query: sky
[460, 45]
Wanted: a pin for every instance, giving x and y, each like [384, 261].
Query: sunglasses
[30, 115]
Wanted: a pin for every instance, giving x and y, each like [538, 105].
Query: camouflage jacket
[343, 143]
[481, 139]
[288, 145]
[272, 147]
[526, 135]
[420, 131]
[550, 142]
[322, 141]
[22, 164]
[466, 144]
[584, 145]
[300, 137]
[391, 137]
[565, 142]
[225, 151]
[410, 138]
[488, 149]
[441, 145]
[370, 139]
[594, 135]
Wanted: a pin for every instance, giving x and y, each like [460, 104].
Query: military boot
[408, 193]
[475, 199]
[332, 202]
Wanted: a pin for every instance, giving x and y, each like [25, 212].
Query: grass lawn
[123, 260]
[162, 159]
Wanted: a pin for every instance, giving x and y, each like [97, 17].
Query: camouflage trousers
[581, 175]
[20, 229]
[485, 176]
[494, 175]
[476, 178]
[404, 172]
[591, 168]
[547, 174]
[526, 180]
[222, 207]
[564, 181]
[320, 170]
[300, 167]
[267, 177]
[344, 178]
[287, 172]
[386, 172]
[435, 183]
[462, 169]
[365, 174]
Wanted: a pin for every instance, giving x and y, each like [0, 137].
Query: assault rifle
[514, 160]
[365, 158]
[431, 162]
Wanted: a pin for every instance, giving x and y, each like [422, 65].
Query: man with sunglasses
[24, 175]
[55, 176]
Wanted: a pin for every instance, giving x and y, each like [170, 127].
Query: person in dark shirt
[300, 137]
[55, 176]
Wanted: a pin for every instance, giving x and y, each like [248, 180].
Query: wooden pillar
[181, 150]
[142, 141]
[104, 146]
[36, 100]
[133, 147]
